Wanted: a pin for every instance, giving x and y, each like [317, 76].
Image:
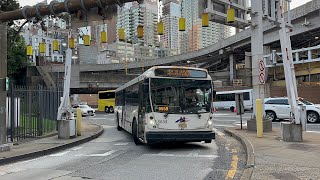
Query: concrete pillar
[248, 65]
[232, 63]
[3, 75]
[257, 55]
[75, 76]
[257, 51]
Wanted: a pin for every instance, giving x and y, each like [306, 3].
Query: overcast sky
[294, 3]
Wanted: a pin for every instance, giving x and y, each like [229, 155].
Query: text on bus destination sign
[178, 72]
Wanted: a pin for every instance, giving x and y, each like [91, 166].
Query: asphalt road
[225, 119]
[114, 156]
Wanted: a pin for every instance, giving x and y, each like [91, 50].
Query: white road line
[59, 154]
[97, 118]
[106, 126]
[101, 155]
[221, 125]
[227, 120]
[218, 132]
[121, 144]
[314, 131]
[77, 148]
[191, 155]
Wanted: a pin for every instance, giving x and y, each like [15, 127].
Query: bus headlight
[152, 122]
[210, 122]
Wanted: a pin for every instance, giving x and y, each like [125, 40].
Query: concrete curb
[53, 149]
[249, 151]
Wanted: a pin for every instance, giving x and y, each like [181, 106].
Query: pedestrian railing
[31, 111]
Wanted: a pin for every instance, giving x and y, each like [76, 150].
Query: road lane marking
[59, 154]
[98, 155]
[313, 131]
[121, 144]
[233, 166]
[218, 132]
[222, 125]
[77, 148]
[190, 155]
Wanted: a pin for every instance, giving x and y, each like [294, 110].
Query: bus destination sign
[178, 72]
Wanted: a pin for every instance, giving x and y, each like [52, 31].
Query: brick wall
[91, 99]
[310, 93]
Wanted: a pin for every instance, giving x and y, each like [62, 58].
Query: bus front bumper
[182, 136]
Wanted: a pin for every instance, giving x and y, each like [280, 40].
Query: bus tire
[118, 123]
[111, 110]
[232, 109]
[135, 133]
[106, 109]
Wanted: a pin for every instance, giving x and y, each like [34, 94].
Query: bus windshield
[181, 96]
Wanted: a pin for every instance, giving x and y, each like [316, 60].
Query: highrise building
[171, 14]
[196, 37]
[132, 15]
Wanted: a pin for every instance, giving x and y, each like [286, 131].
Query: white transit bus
[226, 99]
[167, 103]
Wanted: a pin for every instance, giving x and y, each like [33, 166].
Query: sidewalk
[43, 146]
[276, 159]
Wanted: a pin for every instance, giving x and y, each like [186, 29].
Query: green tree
[17, 59]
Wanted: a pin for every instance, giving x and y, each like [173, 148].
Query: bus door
[143, 94]
[123, 105]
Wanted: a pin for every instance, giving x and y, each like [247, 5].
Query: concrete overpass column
[75, 76]
[232, 63]
[248, 65]
[257, 55]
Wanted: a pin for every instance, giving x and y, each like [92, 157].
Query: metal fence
[31, 111]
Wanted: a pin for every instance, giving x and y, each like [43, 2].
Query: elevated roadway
[218, 52]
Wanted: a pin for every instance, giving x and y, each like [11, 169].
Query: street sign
[262, 72]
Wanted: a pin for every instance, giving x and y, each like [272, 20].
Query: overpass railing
[300, 56]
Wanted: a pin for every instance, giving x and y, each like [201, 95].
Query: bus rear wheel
[106, 109]
[135, 133]
[111, 110]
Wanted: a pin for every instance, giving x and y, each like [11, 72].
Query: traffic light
[182, 24]
[103, 37]
[205, 20]
[230, 15]
[42, 47]
[55, 43]
[71, 43]
[160, 28]
[86, 39]
[121, 34]
[29, 50]
[140, 31]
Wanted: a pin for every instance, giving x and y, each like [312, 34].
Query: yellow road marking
[233, 167]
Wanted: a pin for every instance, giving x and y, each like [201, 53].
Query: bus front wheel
[106, 109]
[135, 133]
[118, 123]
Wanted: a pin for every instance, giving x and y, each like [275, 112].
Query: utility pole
[257, 49]
[3, 75]
[258, 81]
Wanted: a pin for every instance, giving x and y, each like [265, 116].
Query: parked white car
[85, 110]
[279, 108]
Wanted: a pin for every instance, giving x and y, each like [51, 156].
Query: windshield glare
[181, 96]
[305, 102]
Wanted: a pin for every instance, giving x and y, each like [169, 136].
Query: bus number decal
[164, 108]
[162, 121]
